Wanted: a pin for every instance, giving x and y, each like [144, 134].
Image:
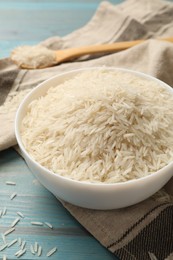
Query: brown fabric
[125, 220]
[157, 234]
[142, 231]
[8, 73]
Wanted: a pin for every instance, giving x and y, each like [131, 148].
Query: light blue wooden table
[28, 22]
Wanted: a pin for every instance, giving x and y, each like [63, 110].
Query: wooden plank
[48, 5]
[49, 18]
[38, 204]
[25, 22]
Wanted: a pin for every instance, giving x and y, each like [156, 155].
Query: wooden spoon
[36, 57]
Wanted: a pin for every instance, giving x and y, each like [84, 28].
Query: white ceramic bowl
[90, 195]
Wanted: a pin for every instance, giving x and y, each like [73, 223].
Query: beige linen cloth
[143, 231]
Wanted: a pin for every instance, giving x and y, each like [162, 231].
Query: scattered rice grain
[39, 251]
[15, 222]
[3, 238]
[12, 242]
[32, 249]
[152, 256]
[13, 195]
[48, 224]
[37, 223]
[10, 183]
[21, 253]
[4, 211]
[20, 214]
[52, 251]
[3, 247]
[9, 231]
[4, 257]
[19, 241]
[23, 245]
[35, 247]
[18, 252]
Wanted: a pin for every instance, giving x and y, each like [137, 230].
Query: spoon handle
[103, 48]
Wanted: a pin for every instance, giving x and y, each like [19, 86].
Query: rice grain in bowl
[99, 132]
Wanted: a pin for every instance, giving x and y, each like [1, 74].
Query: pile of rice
[101, 126]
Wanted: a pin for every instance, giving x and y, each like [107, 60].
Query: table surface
[28, 22]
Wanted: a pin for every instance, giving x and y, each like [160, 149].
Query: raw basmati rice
[20, 214]
[4, 257]
[4, 211]
[35, 247]
[33, 56]
[19, 241]
[12, 242]
[48, 224]
[14, 223]
[10, 183]
[152, 256]
[36, 223]
[3, 247]
[9, 231]
[39, 251]
[4, 239]
[32, 249]
[23, 244]
[51, 252]
[20, 252]
[13, 196]
[101, 126]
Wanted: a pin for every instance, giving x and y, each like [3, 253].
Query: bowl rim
[67, 179]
